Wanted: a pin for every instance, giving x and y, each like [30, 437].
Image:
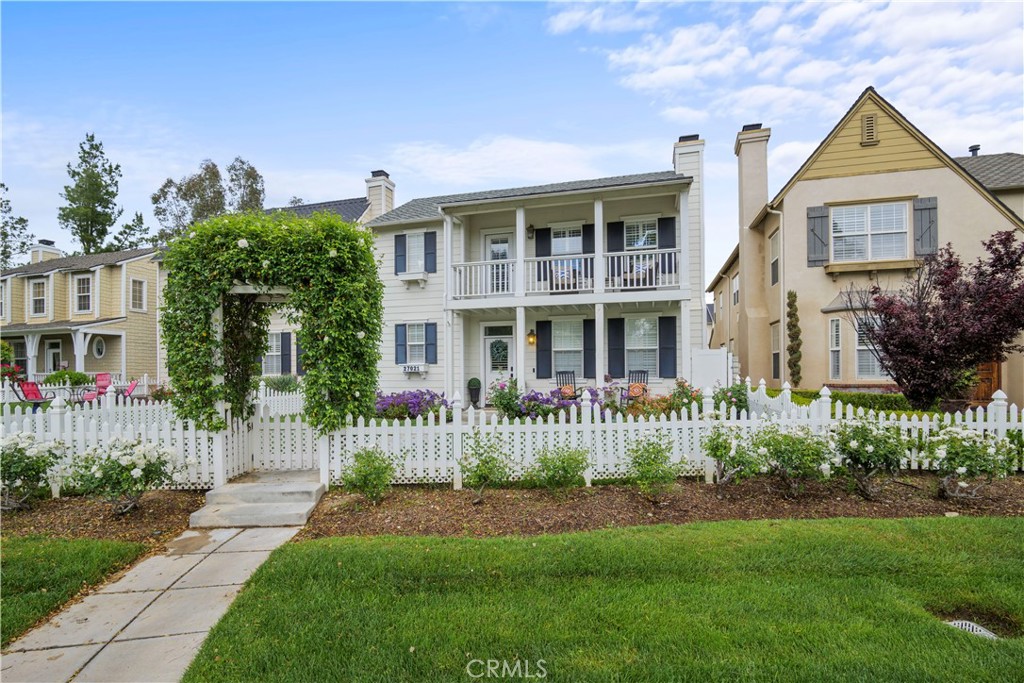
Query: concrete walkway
[149, 624]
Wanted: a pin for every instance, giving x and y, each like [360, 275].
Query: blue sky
[460, 97]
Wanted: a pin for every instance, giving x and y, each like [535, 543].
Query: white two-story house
[599, 277]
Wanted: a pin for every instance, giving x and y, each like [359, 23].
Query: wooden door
[989, 379]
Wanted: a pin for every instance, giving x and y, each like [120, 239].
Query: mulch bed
[418, 510]
[160, 517]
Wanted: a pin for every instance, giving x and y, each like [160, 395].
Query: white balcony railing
[559, 274]
[484, 278]
[654, 269]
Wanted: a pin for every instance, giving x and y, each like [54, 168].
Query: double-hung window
[735, 289]
[3, 296]
[642, 345]
[834, 348]
[416, 343]
[37, 290]
[868, 366]
[83, 293]
[641, 233]
[776, 330]
[869, 232]
[21, 355]
[415, 253]
[272, 358]
[773, 242]
[138, 295]
[567, 241]
[567, 346]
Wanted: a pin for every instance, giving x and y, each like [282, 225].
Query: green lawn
[841, 599]
[39, 574]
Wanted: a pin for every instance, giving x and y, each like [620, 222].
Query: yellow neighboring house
[91, 313]
[873, 199]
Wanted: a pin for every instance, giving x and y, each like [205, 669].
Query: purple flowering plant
[410, 404]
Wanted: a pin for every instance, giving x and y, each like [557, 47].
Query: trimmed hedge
[857, 399]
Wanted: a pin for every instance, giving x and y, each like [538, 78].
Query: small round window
[99, 347]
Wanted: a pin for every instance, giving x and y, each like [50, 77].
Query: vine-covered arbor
[226, 277]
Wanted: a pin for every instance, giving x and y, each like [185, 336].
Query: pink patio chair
[30, 393]
[129, 389]
[103, 383]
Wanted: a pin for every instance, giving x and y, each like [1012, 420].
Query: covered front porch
[90, 348]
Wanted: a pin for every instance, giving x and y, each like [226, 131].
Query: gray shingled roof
[349, 209]
[83, 262]
[996, 171]
[426, 208]
[19, 328]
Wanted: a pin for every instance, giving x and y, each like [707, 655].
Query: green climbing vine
[335, 299]
[793, 353]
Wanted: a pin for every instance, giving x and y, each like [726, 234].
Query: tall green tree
[91, 210]
[205, 194]
[15, 239]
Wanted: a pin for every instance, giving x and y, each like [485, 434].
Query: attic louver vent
[869, 129]
[971, 627]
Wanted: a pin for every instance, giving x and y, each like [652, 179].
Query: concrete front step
[291, 492]
[252, 514]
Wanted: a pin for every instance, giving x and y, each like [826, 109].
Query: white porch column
[599, 230]
[449, 353]
[449, 265]
[80, 340]
[459, 333]
[600, 356]
[685, 343]
[686, 274]
[520, 257]
[31, 351]
[520, 369]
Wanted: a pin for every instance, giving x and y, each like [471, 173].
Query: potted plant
[474, 391]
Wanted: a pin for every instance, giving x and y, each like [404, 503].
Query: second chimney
[380, 192]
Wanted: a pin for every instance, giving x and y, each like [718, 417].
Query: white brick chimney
[44, 251]
[380, 192]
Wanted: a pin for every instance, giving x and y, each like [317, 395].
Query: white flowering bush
[968, 460]
[793, 454]
[27, 465]
[729, 447]
[867, 449]
[121, 471]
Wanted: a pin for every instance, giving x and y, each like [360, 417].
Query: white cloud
[684, 114]
[602, 18]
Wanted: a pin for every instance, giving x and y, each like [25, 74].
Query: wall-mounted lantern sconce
[529, 231]
[531, 337]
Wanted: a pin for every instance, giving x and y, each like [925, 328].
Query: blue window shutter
[818, 234]
[286, 353]
[299, 352]
[588, 238]
[667, 240]
[430, 348]
[667, 346]
[589, 349]
[617, 347]
[399, 254]
[542, 238]
[616, 243]
[543, 349]
[400, 344]
[926, 226]
[430, 252]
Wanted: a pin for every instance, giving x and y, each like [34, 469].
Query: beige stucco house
[874, 198]
[91, 313]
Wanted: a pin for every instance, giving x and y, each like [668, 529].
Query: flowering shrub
[12, 372]
[26, 465]
[684, 396]
[370, 474]
[410, 404]
[968, 460]
[793, 454]
[161, 393]
[559, 468]
[867, 448]
[121, 471]
[730, 449]
[504, 396]
[733, 396]
[485, 462]
[650, 464]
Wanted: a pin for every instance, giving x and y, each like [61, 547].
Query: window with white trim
[272, 358]
[37, 289]
[99, 347]
[566, 241]
[138, 295]
[416, 343]
[567, 346]
[869, 232]
[20, 354]
[868, 367]
[773, 267]
[642, 345]
[83, 294]
[415, 258]
[834, 348]
[720, 311]
[776, 330]
[3, 296]
[735, 289]
[642, 233]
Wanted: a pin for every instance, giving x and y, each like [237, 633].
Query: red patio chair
[102, 384]
[129, 389]
[29, 392]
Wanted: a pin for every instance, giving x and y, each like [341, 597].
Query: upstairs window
[566, 241]
[138, 295]
[83, 293]
[869, 232]
[37, 291]
[642, 233]
[3, 295]
[415, 253]
[735, 289]
[773, 242]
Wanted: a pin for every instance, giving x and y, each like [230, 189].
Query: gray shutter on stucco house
[817, 236]
[926, 226]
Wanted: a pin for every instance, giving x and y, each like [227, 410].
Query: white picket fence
[428, 450]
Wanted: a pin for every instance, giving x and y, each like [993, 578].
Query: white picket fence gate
[428, 450]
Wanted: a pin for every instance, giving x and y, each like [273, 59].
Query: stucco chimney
[44, 250]
[752, 150]
[380, 192]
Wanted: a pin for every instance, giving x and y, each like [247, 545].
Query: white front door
[498, 355]
[53, 357]
[500, 249]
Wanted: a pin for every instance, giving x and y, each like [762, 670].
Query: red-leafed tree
[946, 319]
